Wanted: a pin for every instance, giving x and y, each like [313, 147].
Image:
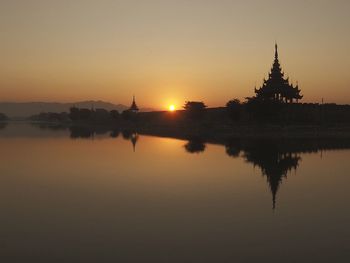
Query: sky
[168, 52]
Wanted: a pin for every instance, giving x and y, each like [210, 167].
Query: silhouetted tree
[264, 110]
[128, 115]
[195, 109]
[100, 116]
[84, 114]
[114, 114]
[74, 113]
[50, 117]
[234, 109]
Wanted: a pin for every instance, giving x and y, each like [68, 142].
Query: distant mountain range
[26, 109]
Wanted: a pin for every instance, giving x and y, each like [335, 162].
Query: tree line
[252, 110]
[271, 111]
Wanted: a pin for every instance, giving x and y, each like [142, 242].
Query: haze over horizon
[167, 52]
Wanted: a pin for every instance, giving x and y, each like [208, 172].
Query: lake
[76, 195]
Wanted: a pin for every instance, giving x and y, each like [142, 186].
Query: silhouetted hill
[26, 109]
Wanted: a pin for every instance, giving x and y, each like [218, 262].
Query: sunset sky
[166, 52]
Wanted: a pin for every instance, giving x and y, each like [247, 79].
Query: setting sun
[171, 107]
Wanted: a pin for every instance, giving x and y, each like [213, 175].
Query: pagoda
[277, 87]
[133, 107]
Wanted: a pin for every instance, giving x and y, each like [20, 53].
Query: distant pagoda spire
[133, 106]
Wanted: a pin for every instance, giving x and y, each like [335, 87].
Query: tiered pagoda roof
[133, 106]
[277, 87]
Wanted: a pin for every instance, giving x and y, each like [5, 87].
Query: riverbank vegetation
[251, 118]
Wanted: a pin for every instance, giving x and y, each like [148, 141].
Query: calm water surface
[120, 197]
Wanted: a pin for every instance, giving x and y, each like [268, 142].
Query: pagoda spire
[277, 87]
[133, 106]
[276, 51]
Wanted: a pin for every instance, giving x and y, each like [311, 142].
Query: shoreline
[224, 132]
[268, 139]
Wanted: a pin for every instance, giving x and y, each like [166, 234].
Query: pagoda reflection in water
[132, 136]
[274, 159]
[275, 163]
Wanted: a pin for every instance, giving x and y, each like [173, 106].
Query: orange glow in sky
[200, 50]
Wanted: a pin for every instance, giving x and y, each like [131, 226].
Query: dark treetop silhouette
[194, 109]
[276, 87]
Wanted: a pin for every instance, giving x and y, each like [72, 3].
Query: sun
[171, 107]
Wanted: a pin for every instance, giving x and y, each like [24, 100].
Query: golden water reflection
[152, 199]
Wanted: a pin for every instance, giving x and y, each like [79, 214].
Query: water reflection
[273, 159]
[132, 136]
[195, 145]
[233, 147]
[274, 164]
[87, 132]
[3, 125]
[114, 133]
[68, 193]
[276, 158]
[81, 132]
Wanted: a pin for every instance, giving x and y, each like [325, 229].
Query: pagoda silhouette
[133, 107]
[277, 87]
